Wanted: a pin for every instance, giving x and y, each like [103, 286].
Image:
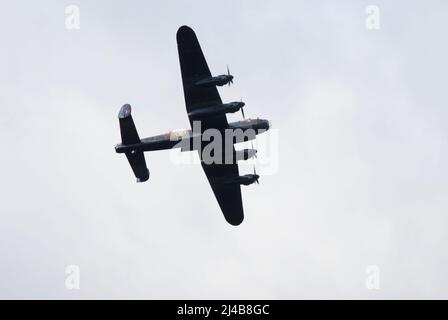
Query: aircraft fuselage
[248, 128]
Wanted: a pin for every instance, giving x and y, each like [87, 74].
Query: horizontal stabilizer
[129, 136]
[138, 165]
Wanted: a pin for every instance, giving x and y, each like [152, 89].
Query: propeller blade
[255, 174]
[230, 76]
[242, 111]
[228, 73]
[252, 145]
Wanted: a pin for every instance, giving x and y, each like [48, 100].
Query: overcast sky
[360, 174]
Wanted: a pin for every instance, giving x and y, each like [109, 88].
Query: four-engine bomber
[209, 126]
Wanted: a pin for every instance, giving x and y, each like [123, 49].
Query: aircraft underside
[187, 140]
[211, 135]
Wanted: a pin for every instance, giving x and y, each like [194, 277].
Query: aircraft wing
[228, 195]
[194, 68]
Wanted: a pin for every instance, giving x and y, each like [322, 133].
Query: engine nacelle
[216, 110]
[220, 81]
[246, 180]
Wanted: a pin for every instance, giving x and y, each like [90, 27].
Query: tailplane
[129, 136]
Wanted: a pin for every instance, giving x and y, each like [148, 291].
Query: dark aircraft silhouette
[204, 106]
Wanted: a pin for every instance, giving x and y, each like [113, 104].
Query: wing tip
[184, 28]
[234, 219]
[184, 32]
[235, 222]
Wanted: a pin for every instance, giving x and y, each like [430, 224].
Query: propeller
[228, 73]
[252, 145]
[256, 175]
[242, 110]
